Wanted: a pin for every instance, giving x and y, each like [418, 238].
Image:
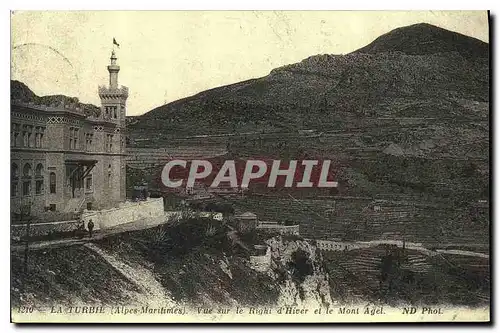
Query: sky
[165, 56]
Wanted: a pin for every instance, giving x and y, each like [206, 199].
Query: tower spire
[113, 70]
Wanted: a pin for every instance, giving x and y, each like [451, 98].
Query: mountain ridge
[400, 41]
[374, 114]
[20, 92]
[415, 39]
[352, 84]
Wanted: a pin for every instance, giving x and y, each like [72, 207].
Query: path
[464, 253]
[419, 247]
[145, 223]
[151, 291]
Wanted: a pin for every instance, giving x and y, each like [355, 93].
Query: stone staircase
[74, 205]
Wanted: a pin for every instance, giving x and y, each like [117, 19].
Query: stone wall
[127, 212]
[327, 245]
[41, 229]
[281, 229]
[261, 263]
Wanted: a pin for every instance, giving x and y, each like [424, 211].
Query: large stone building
[66, 157]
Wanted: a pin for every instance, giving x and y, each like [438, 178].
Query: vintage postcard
[250, 166]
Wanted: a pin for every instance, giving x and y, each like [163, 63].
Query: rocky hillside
[206, 263]
[199, 262]
[406, 115]
[425, 38]
[420, 71]
[19, 92]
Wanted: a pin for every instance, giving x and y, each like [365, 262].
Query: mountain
[415, 71]
[20, 92]
[406, 115]
[425, 38]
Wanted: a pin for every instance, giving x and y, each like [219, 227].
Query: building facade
[67, 156]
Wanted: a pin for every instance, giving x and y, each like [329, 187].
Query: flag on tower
[115, 42]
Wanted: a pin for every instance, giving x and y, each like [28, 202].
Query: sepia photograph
[250, 166]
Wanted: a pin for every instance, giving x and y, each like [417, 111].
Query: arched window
[27, 170]
[39, 170]
[14, 184]
[14, 171]
[52, 181]
[27, 174]
[39, 179]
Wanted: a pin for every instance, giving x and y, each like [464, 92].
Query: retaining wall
[261, 263]
[41, 229]
[125, 213]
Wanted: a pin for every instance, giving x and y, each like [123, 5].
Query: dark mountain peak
[424, 38]
[20, 91]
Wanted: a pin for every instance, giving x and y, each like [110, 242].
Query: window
[14, 190]
[111, 112]
[39, 131]
[109, 142]
[36, 137]
[30, 137]
[27, 175]
[39, 170]
[88, 140]
[52, 207]
[27, 171]
[14, 140]
[25, 135]
[39, 186]
[70, 138]
[39, 179]
[88, 183]
[14, 181]
[42, 132]
[73, 137]
[14, 171]
[26, 187]
[52, 181]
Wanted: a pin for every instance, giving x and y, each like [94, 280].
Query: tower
[112, 140]
[113, 70]
[113, 97]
